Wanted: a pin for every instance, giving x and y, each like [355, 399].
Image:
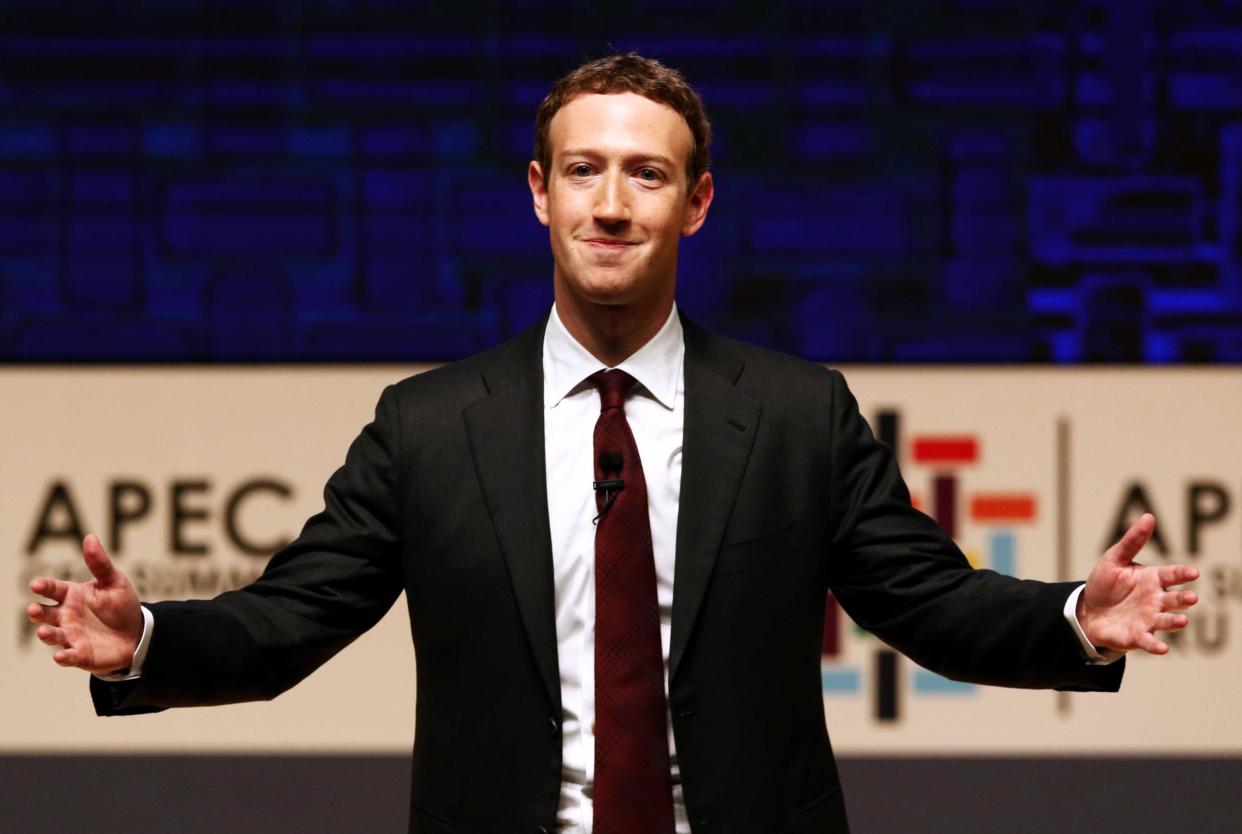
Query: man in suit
[615, 534]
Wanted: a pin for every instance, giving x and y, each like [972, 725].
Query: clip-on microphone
[609, 462]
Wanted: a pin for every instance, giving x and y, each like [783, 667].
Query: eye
[648, 174]
[580, 170]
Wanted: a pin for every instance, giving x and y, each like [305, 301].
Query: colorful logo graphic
[943, 459]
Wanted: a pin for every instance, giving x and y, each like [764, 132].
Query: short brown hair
[630, 73]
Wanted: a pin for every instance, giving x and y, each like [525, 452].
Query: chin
[607, 293]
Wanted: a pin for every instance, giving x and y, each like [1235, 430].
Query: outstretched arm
[97, 624]
[1124, 602]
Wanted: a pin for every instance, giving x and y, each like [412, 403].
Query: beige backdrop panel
[1171, 431]
[228, 425]
[1163, 429]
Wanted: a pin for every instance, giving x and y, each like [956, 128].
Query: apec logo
[217, 537]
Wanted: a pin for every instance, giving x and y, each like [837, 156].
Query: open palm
[1125, 602]
[98, 623]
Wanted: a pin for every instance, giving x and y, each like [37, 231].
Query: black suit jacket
[785, 493]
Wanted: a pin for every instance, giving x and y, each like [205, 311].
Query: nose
[612, 205]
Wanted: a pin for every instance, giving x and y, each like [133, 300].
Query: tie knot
[613, 386]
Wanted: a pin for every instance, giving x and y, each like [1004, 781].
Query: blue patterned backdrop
[915, 181]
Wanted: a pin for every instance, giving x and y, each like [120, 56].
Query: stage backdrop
[192, 475]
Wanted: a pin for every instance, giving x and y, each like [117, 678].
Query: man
[615, 534]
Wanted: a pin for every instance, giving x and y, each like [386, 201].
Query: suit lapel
[718, 436]
[506, 437]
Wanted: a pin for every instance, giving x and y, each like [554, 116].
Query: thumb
[1124, 551]
[97, 560]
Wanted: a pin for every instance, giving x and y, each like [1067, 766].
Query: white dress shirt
[655, 410]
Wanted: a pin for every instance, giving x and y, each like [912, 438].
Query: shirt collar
[656, 365]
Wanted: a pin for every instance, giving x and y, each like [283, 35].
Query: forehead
[620, 123]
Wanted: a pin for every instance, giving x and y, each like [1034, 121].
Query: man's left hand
[1125, 602]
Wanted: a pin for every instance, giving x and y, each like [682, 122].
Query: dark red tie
[633, 787]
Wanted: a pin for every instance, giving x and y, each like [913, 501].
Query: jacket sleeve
[899, 576]
[335, 581]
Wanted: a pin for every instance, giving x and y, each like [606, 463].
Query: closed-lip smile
[609, 242]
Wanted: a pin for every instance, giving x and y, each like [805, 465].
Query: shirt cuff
[140, 653]
[1095, 657]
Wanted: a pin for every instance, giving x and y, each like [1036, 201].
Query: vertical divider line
[1063, 523]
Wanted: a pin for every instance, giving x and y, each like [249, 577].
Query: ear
[698, 204]
[538, 191]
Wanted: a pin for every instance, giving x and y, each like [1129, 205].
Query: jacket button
[554, 727]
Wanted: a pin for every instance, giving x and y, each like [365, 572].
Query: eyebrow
[633, 158]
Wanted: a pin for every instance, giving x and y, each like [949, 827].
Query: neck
[612, 333]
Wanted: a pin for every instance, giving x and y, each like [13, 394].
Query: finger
[1170, 622]
[68, 658]
[52, 636]
[46, 586]
[38, 613]
[1172, 600]
[98, 562]
[1177, 574]
[1124, 551]
[1151, 645]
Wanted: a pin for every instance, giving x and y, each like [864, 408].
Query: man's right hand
[97, 624]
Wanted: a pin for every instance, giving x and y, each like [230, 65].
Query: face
[615, 200]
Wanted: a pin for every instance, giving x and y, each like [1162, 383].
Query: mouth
[609, 244]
